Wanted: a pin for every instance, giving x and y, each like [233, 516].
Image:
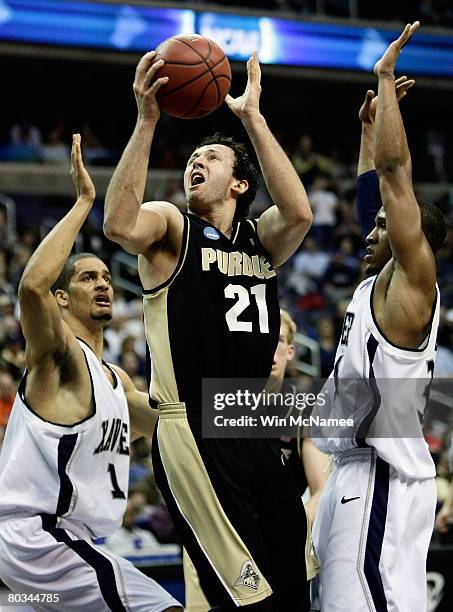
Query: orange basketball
[199, 76]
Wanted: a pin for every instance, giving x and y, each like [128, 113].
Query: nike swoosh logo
[345, 501]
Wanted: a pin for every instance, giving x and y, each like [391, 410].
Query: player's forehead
[284, 330]
[90, 264]
[222, 150]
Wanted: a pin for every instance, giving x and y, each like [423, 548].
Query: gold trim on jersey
[237, 232]
[163, 387]
[197, 501]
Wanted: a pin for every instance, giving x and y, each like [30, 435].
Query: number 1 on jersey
[243, 301]
[117, 493]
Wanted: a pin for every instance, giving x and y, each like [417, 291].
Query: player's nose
[198, 163]
[371, 238]
[101, 283]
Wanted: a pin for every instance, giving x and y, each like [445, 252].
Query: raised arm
[282, 227]
[368, 199]
[40, 317]
[126, 221]
[409, 246]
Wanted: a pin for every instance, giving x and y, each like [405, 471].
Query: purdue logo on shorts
[248, 577]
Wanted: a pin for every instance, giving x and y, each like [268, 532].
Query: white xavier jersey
[72, 474]
[382, 387]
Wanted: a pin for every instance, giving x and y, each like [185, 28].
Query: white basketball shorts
[371, 534]
[78, 574]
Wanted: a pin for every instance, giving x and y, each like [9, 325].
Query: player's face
[90, 291]
[378, 251]
[208, 177]
[283, 353]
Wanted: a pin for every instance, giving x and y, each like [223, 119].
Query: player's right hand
[82, 180]
[145, 89]
[367, 112]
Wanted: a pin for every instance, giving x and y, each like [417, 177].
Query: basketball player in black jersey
[211, 311]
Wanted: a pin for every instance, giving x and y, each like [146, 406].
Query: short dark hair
[433, 225]
[244, 168]
[67, 272]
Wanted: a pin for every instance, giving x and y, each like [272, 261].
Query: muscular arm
[143, 418]
[282, 228]
[368, 198]
[41, 321]
[126, 221]
[409, 246]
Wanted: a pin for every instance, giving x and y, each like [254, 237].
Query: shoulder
[125, 379]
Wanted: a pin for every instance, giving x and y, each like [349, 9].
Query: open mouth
[369, 254]
[102, 300]
[196, 179]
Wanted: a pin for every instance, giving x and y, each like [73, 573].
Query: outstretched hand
[387, 63]
[145, 89]
[82, 180]
[367, 112]
[248, 105]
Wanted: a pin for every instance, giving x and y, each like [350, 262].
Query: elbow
[303, 217]
[31, 287]
[113, 231]
[388, 165]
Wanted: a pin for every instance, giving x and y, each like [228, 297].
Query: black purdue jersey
[216, 317]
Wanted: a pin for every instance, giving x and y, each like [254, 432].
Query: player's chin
[102, 316]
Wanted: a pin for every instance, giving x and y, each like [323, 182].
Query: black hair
[244, 168]
[433, 225]
[67, 272]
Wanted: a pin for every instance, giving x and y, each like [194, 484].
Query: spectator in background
[310, 260]
[7, 392]
[93, 149]
[141, 466]
[342, 273]
[13, 355]
[327, 345]
[131, 541]
[323, 202]
[25, 142]
[55, 150]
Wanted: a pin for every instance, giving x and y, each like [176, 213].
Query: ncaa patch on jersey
[211, 233]
[248, 577]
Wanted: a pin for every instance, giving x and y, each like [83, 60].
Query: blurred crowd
[315, 287]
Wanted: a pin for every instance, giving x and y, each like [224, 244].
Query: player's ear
[62, 298]
[290, 352]
[239, 187]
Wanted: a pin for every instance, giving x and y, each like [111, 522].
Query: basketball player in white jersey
[64, 465]
[376, 514]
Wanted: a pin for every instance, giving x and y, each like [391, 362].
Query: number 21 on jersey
[243, 297]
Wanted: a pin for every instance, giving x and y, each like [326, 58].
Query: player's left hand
[367, 112]
[387, 63]
[82, 180]
[248, 105]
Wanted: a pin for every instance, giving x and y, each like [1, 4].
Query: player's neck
[94, 337]
[220, 219]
